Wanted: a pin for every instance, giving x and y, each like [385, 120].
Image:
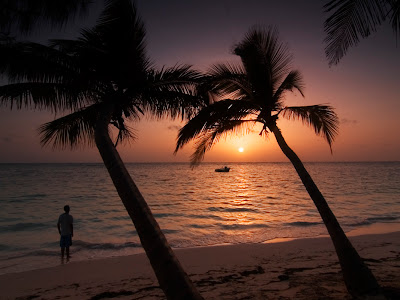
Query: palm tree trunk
[359, 280]
[173, 280]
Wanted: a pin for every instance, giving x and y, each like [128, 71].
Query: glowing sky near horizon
[364, 87]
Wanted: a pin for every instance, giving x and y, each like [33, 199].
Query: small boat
[224, 169]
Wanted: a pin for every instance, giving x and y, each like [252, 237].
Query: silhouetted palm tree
[351, 20]
[105, 78]
[253, 92]
[25, 15]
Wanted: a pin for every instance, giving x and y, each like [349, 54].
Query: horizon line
[210, 162]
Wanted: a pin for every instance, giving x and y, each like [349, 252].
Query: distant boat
[224, 169]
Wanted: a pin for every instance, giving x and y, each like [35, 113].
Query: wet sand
[296, 269]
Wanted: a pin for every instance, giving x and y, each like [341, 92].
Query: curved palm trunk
[175, 283]
[359, 280]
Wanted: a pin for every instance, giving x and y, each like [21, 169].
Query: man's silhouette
[65, 230]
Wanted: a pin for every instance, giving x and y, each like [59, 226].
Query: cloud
[348, 122]
[174, 127]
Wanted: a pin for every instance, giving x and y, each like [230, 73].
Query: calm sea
[253, 203]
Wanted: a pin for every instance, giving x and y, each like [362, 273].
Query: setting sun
[241, 149]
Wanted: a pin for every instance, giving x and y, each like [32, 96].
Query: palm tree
[253, 92]
[351, 20]
[105, 78]
[25, 15]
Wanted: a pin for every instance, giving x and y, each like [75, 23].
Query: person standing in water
[66, 231]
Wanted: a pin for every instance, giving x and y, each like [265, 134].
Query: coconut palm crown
[106, 67]
[253, 92]
[103, 80]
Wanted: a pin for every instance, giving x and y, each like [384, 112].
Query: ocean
[253, 203]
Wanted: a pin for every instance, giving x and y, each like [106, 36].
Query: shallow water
[254, 202]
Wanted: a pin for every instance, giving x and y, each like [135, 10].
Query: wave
[82, 245]
[77, 245]
[200, 226]
[31, 196]
[225, 209]
[170, 231]
[23, 227]
[214, 217]
[303, 224]
[166, 215]
[241, 226]
[34, 253]
[373, 220]
[120, 218]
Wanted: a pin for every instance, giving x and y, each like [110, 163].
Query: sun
[241, 149]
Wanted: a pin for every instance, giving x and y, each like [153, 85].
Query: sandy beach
[297, 269]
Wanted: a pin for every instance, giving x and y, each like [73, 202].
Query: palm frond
[173, 92]
[123, 36]
[265, 59]
[128, 110]
[6, 38]
[26, 61]
[229, 81]
[125, 110]
[46, 72]
[69, 47]
[125, 134]
[394, 14]
[320, 117]
[178, 78]
[349, 21]
[207, 139]
[214, 116]
[24, 15]
[171, 104]
[47, 96]
[294, 80]
[72, 130]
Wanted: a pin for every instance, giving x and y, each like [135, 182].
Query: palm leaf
[125, 134]
[69, 47]
[46, 77]
[294, 80]
[51, 96]
[265, 59]
[122, 34]
[24, 15]
[72, 130]
[114, 50]
[320, 117]
[182, 79]
[214, 116]
[173, 92]
[211, 136]
[229, 81]
[26, 61]
[394, 14]
[350, 20]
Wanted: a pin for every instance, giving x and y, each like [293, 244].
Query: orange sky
[364, 87]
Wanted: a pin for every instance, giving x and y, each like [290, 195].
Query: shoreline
[41, 262]
[304, 268]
